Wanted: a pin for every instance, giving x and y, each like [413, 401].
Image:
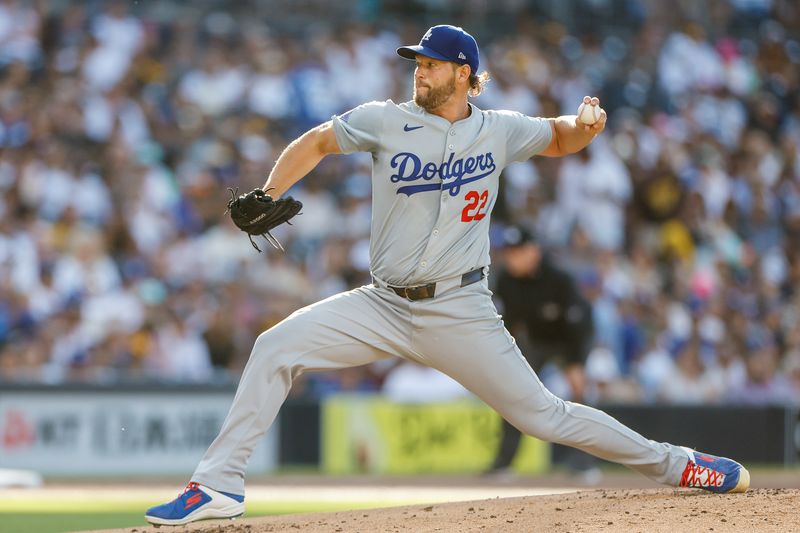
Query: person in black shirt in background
[549, 319]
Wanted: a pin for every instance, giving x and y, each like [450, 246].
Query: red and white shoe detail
[700, 477]
[714, 474]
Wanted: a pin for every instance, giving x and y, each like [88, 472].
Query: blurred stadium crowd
[123, 123]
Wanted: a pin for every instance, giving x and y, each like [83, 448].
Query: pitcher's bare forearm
[570, 135]
[301, 157]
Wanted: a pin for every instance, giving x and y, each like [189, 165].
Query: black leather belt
[423, 292]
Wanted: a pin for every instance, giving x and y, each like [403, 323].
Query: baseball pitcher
[436, 162]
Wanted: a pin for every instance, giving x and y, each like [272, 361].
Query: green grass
[60, 522]
[61, 517]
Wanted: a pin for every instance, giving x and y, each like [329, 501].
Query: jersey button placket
[450, 147]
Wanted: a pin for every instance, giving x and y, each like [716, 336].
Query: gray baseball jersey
[434, 186]
[434, 183]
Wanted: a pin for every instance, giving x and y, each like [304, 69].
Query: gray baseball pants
[458, 333]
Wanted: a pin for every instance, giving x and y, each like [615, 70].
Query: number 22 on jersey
[476, 206]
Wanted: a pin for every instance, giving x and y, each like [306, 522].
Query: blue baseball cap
[446, 43]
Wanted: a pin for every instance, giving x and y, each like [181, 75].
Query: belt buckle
[412, 293]
[401, 291]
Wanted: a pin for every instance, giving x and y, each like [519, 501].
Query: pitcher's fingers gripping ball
[256, 213]
[591, 116]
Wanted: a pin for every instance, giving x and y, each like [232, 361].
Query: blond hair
[477, 82]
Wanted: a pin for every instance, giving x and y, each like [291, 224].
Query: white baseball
[588, 113]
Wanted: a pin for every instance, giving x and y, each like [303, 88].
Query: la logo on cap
[427, 35]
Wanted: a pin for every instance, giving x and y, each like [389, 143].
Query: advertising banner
[368, 434]
[109, 433]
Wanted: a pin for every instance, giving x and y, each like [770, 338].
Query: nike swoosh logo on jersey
[411, 128]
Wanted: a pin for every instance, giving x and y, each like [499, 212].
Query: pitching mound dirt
[655, 510]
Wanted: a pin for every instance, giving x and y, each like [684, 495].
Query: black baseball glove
[256, 213]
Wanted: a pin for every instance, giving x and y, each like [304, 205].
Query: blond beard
[436, 97]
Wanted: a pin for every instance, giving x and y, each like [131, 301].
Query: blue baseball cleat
[714, 474]
[197, 502]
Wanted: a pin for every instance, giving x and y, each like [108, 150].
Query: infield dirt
[640, 510]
